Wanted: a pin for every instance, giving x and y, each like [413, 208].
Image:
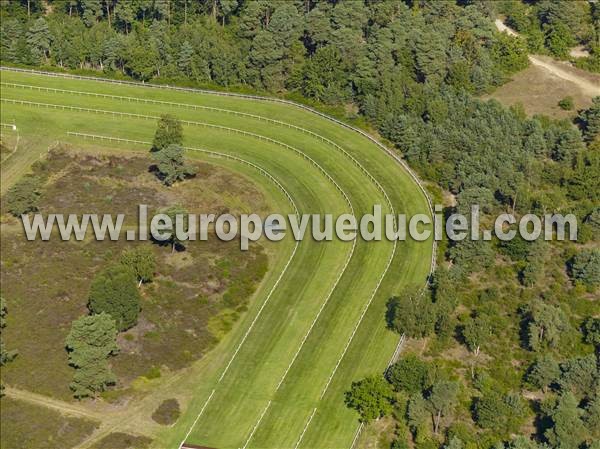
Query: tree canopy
[370, 397]
[141, 261]
[169, 131]
[171, 166]
[90, 342]
[114, 291]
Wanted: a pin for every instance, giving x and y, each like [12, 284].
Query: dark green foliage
[39, 39]
[566, 103]
[90, 342]
[567, 430]
[590, 120]
[559, 40]
[517, 249]
[591, 330]
[579, 375]
[23, 196]
[510, 54]
[551, 26]
[585, 267]
[173, 212]
[114, 291]
[417, 412]
[412, 314]
[543, 372]
[409, 374]
[472, 255]
[5, 355]
[168, 132]
[502, 413]
[591, 417]
[370, 397]
[167, 412]
[141, 261]
[171, 166]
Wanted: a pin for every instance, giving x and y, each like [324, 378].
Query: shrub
[566, 104]
[167, 412]
[410, 374]
[23, 197]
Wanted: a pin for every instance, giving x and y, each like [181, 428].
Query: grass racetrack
[316, 324]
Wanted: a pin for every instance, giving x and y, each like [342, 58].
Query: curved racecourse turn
[317, 321]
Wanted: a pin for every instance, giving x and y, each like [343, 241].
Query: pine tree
[543, 372]
[90, 342]
[184, 61]
[173, 212]
[39, 39]
[546, 325]
[590, 120]
[114, 291]
[92, 11]
[171, 166]
[23, 196]
[567, 430]
[441, 400]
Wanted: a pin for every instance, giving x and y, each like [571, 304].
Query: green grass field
[317, 322]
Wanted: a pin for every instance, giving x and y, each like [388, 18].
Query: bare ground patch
[539, 91]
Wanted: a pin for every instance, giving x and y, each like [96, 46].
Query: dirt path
[55, 404]
[589, 84]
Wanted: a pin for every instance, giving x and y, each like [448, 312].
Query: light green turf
[251, 381]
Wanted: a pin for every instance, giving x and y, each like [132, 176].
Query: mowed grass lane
[371, 345]
[301, 291]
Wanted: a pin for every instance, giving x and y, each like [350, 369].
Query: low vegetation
[25, 426]
[120, 440]
[105, 276]
[167, 412]
[503, 343]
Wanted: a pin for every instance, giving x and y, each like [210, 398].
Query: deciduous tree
[371, 398]
[409, 374]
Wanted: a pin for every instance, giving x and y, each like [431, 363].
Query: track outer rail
[390, 153]
[384, 148]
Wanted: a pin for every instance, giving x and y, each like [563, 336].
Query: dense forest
[508, 336]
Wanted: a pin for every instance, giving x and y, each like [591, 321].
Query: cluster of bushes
[114, 304]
